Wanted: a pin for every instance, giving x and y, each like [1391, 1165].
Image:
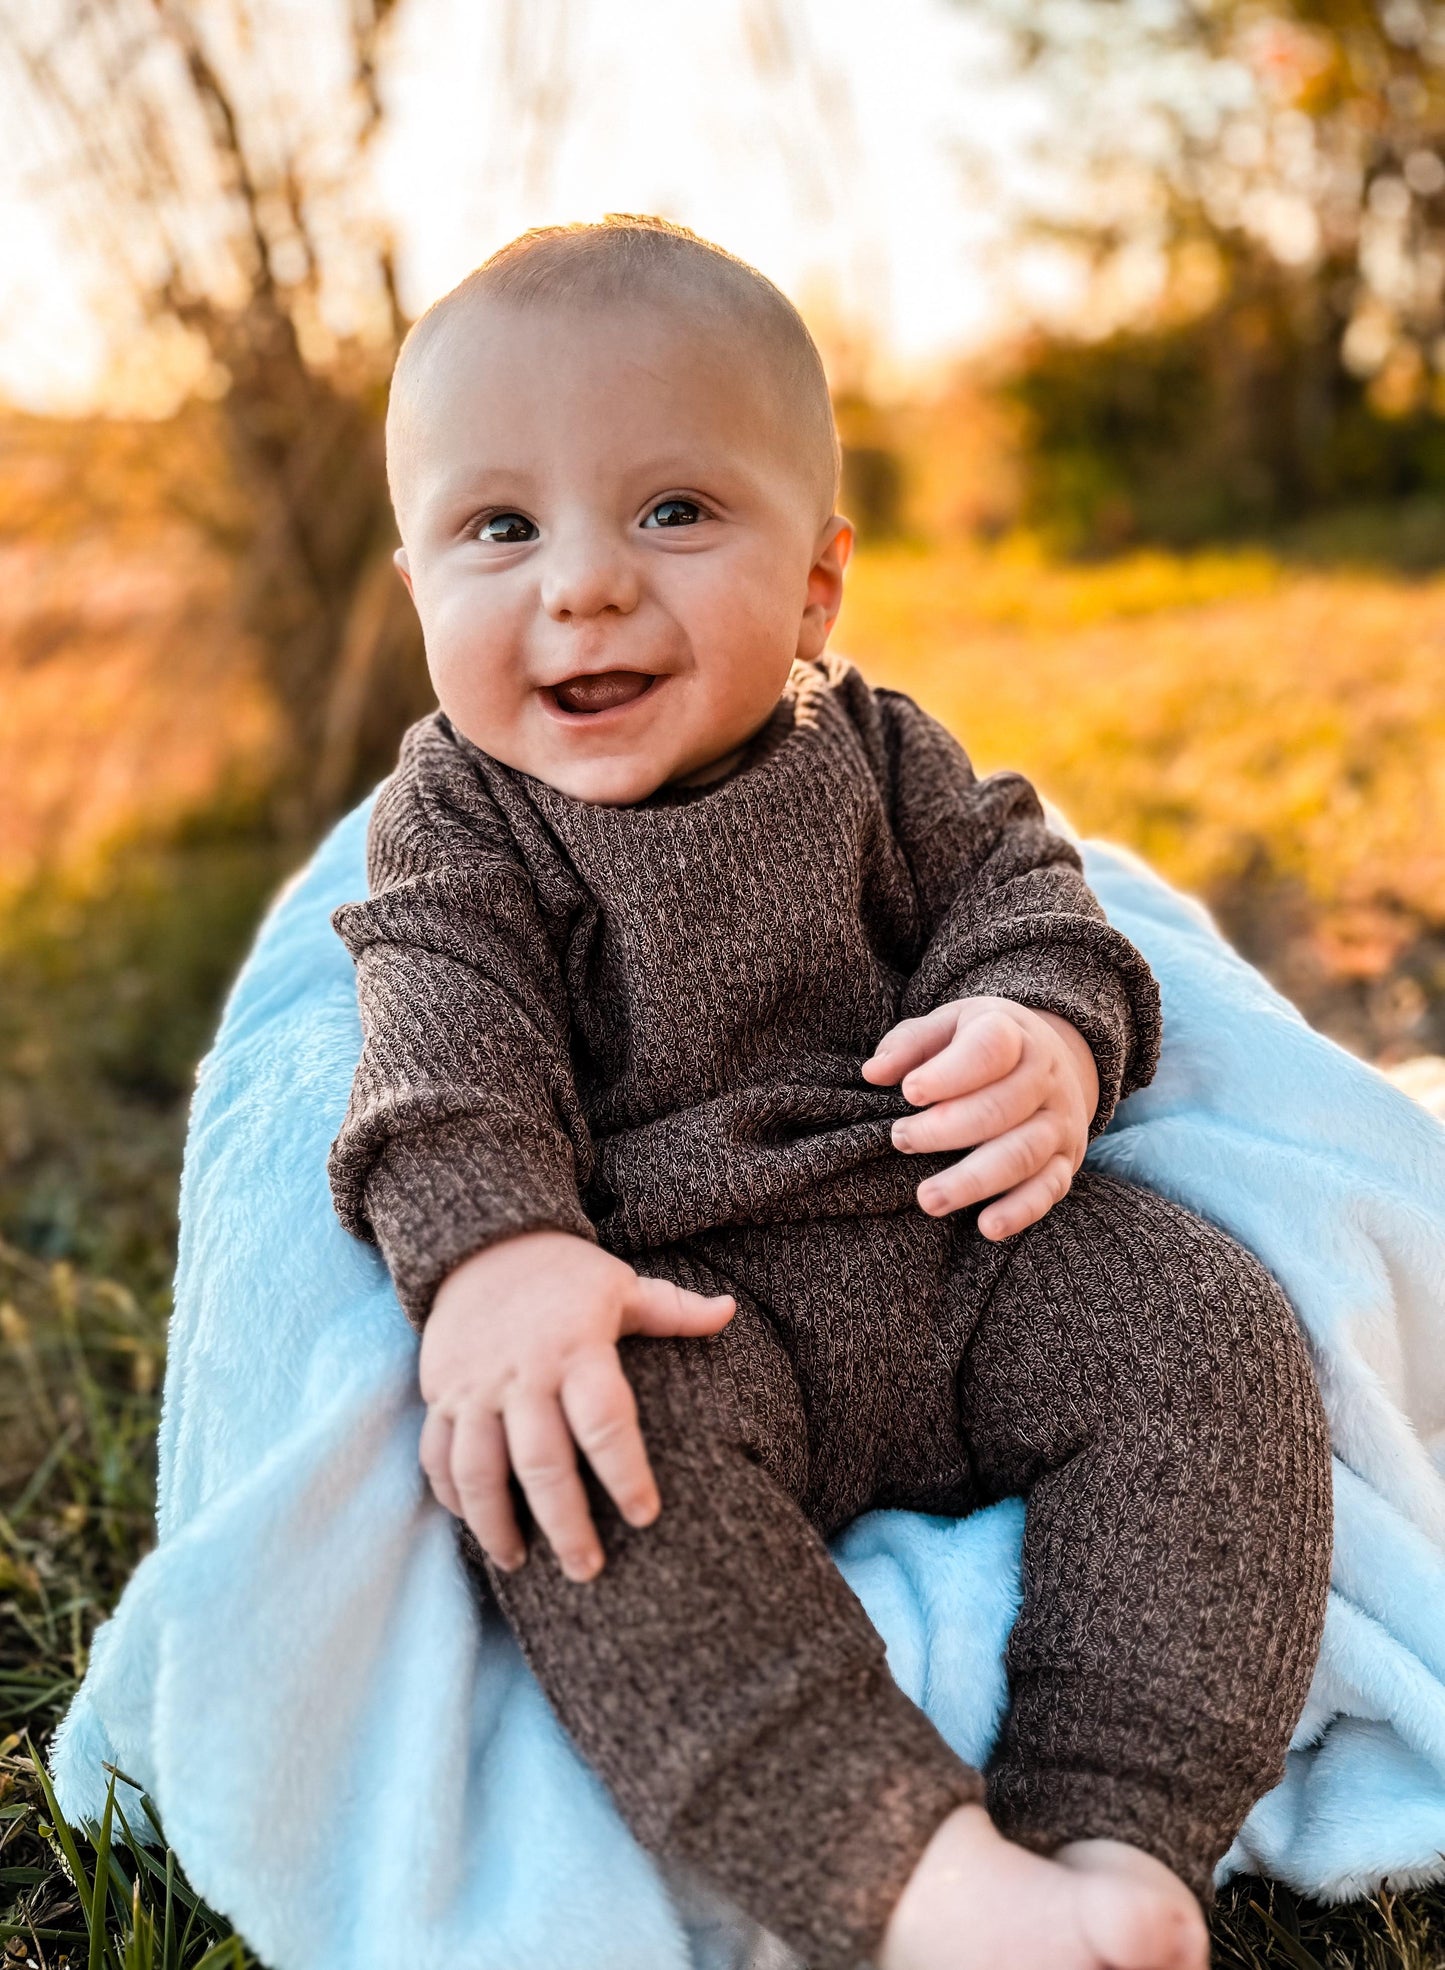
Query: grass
[1274, 737]
[112, 979]
[124, 1904]
[1262, 1926]
[84, 1355]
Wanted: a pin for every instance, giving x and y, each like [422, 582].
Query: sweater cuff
[1044, 1809]
[436, 1196]
[1120, 1027]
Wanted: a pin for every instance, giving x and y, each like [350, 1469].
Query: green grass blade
[227, 1952]
[162, 1873]
[140, 1944]
[43, 1473]
[124, 1778]
[186, 1932]
[63, 1834]
[168, 1935]
[96, 1916]
[144, 1865]
[122, 1885]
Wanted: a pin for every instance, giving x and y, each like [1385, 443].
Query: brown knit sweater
[639, 1023]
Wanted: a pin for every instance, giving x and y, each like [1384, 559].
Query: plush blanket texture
[354, 1764]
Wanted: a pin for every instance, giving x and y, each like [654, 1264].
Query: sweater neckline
[765, 752]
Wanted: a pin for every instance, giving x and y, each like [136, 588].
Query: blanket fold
[350, 1758]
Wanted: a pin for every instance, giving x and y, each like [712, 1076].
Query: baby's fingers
[999, 1166]
[1027, 1202]
[598, 1403]
[910, 1042]
[984, 1048]
[434, 1454]
[545, 1464]
[656, 1306]
[971, 1118]
[477, 1479]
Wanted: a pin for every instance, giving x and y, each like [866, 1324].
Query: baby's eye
[507, 529]
[674, 513]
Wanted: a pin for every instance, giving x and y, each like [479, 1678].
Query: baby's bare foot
[977, 1902]
[1154, 1920]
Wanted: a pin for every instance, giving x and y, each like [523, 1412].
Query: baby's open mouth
[604, 690]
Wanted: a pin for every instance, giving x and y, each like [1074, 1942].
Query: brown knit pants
[1130, 1371]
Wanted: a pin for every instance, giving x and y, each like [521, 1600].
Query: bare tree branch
[185, 170]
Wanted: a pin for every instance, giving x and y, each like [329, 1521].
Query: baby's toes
[1136, 1928]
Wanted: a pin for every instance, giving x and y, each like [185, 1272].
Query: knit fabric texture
[638, 1023]
[1125, 1367]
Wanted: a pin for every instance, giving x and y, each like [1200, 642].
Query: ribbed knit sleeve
[1007, 912]
[464, 1125]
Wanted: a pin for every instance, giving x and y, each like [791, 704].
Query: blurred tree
[1258, 190]
[212, 166]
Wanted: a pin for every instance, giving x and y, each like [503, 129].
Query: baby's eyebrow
[468, 481]
[720, 476]
[453, 496]
[703, 454]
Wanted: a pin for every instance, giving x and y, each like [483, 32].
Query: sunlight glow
[828, 141]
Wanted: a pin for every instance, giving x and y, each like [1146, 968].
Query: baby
[687, 955]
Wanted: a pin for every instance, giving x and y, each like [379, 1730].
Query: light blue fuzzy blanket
[357, 1768]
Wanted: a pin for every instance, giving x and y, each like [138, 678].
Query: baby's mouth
[603, 690]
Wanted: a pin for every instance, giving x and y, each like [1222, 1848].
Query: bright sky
[828, 141]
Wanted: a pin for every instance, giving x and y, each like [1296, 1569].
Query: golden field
[1268, 736]
[1209, 711]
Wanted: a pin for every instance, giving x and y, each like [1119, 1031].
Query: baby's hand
[518, 1359]
[1018, 1087]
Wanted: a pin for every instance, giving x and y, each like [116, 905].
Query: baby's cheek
[476, 673]
[743, 668]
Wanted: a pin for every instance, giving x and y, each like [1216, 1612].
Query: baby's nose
[587, 576]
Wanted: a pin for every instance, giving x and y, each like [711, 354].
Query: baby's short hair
[630, 257]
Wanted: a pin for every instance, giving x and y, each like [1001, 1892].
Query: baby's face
[613, 548]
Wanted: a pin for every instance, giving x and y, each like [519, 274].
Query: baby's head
[613, 462]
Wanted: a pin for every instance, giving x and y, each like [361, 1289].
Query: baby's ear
[825, 586]
[403, 568]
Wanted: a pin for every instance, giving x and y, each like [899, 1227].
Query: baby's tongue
[601, 691]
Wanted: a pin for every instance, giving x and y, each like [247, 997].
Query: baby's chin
[603, 779]
[605, 782]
